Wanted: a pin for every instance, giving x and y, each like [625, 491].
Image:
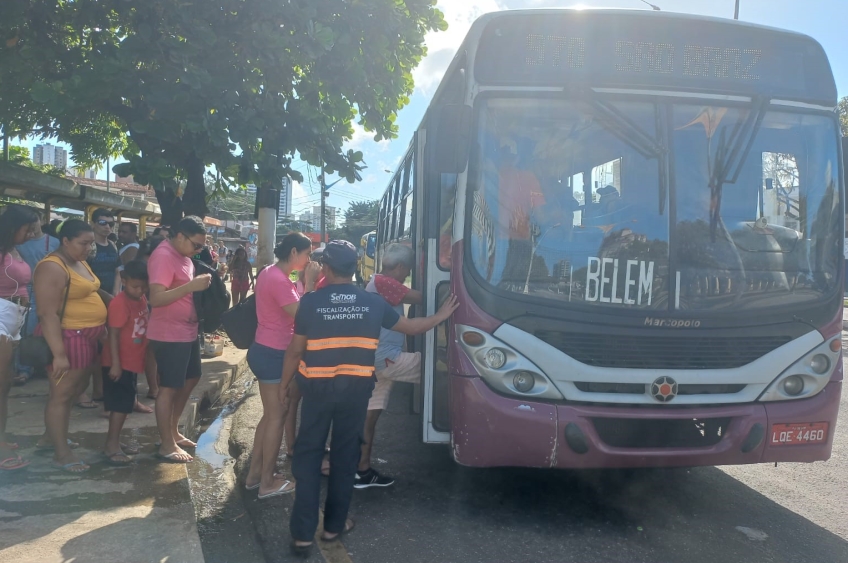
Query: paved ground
[438, 511]
[138, 514]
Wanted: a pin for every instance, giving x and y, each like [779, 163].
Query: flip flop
[98, 400]
[347, 529]
[21, 379]
[301, 550]
[46, 447]
[110, 459]
[130, 448]
[13, 463]
[184, 443]
[9, 445]
[171, 458]
[256, 486]
[87, 405]
[279, 492]
[67, 467]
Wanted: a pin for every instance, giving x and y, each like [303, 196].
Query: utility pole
[323, 207]
[736, 11]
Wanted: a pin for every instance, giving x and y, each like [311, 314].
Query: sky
[824, 20]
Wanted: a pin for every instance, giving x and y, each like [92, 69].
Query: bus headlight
[820, 363]
[793, 385]
[523, 381]
[502, 367]
[495, 358]
[807, 376]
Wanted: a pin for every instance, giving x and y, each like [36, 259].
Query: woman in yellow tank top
[72, 333]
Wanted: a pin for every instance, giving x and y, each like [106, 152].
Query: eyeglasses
[197, 245]
[104, 223]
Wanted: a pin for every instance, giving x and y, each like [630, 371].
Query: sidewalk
[137, 514]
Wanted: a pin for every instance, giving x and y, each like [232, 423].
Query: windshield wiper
[632, 134]
[731, 155]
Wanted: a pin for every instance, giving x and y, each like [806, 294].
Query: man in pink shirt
[173, 331]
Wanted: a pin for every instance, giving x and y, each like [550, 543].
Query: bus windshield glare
[656, 206]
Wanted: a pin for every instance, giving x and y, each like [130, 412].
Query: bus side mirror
[452, 139]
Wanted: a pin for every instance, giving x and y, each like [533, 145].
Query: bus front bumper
[491, 430]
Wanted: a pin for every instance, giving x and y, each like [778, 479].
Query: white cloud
[441, 45]
[363, 139]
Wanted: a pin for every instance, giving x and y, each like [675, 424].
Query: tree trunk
[194, 198]
[171, 206]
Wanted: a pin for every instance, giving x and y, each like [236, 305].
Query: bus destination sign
[636, 51]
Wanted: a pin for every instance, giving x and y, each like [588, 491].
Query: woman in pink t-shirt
[17, 224]
[276, 304]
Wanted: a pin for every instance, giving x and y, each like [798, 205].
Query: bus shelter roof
[25, 183]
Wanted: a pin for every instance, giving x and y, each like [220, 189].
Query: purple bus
[642, 215]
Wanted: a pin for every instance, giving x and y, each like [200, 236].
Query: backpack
[210, 303]
[240, 323]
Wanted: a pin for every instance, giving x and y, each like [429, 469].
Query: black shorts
[119, 396]
[177, 362]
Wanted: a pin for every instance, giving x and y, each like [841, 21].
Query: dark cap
[340, 255]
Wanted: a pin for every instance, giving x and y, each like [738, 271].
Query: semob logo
[336, 298]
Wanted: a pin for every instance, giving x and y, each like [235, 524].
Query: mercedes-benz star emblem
[664, 389]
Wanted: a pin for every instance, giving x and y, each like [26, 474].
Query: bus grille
[652, 352]
[660, 433]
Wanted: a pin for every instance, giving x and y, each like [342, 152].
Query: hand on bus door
[448, 307]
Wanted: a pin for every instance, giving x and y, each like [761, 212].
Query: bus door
[439, 181]
[434, 282]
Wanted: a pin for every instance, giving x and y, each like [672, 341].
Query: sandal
[87, 405]
[111, 459]
[21, 378]
[172, 457]
[348, 527]
[13, 463]
[9, 445]
[130, 448]
[301, 550]
[69, 467]
[279, 492]
[47, 447]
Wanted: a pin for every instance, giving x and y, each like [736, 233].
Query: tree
[360, 218]
[241, 85]
[843, 115]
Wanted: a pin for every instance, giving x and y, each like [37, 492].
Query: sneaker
[370, 478]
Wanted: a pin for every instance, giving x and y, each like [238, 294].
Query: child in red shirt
[124, 358]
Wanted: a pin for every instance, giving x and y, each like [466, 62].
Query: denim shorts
[266, 363]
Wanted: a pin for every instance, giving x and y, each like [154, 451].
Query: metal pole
[736, 11]
[323, 208]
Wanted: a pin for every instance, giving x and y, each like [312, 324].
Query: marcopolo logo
[337, 298]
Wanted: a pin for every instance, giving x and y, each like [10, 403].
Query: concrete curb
[218, 375]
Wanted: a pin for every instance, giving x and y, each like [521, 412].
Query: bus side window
[447, 197]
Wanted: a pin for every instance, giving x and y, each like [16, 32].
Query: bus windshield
[656, 206]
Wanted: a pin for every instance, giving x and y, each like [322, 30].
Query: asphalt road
[440, 512]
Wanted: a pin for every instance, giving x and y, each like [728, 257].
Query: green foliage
[20, 156]
[843, 115]
[360, 218]
[178, 86]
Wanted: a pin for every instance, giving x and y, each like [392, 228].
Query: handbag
[33, 350]
[240, 323]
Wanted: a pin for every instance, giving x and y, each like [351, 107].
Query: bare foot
[177, 456]
[279, 487]
[141, 407]
[183, 442]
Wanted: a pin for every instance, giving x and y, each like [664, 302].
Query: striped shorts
[81, 344]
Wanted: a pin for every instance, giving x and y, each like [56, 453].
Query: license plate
[798, 433]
